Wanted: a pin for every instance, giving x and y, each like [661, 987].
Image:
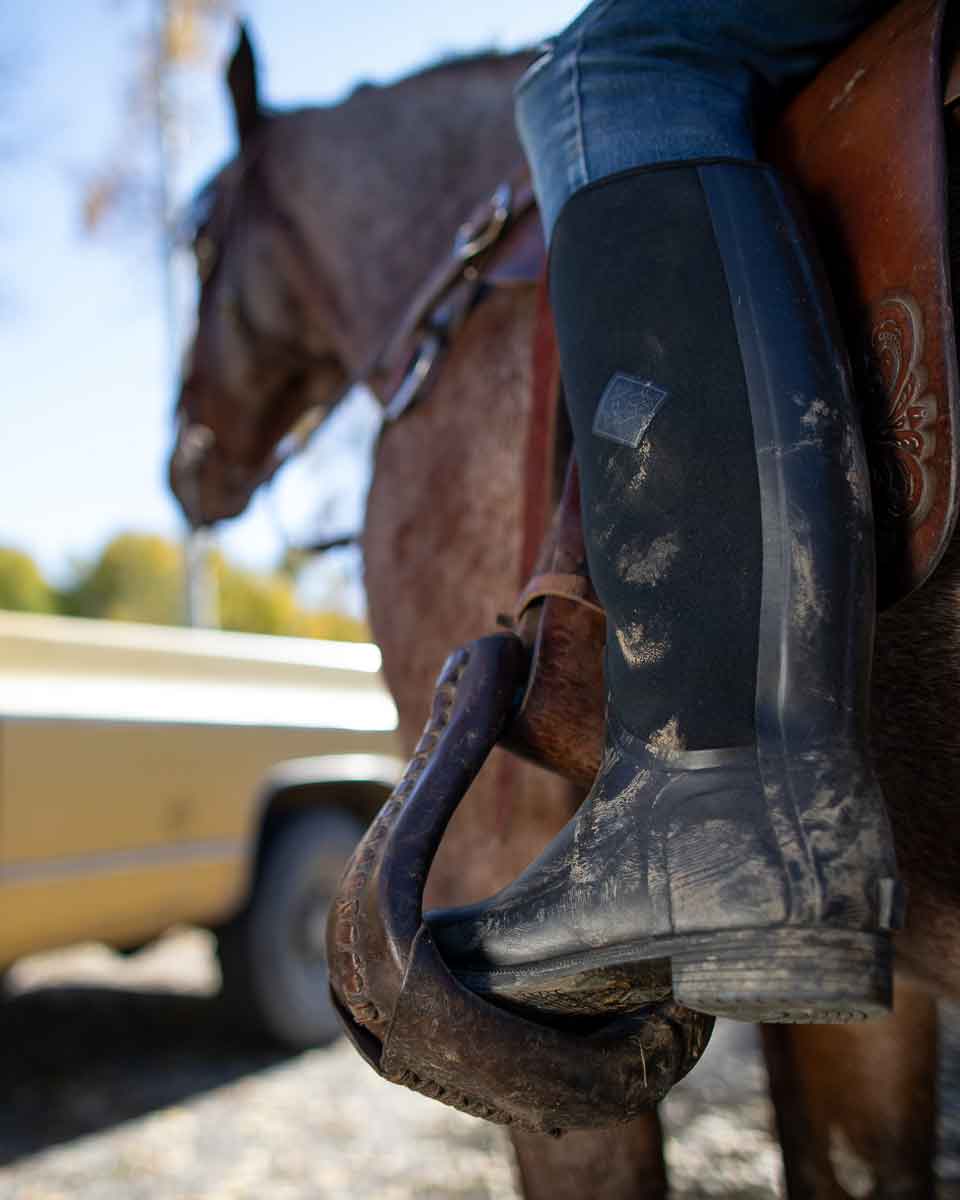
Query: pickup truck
[152, 776]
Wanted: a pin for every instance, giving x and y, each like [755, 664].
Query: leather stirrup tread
[403, 1009]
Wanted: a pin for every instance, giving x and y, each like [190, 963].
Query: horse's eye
[205, 251]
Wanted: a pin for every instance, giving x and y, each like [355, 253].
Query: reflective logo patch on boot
[626, 409]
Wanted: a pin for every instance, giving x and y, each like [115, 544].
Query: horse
[311, 243]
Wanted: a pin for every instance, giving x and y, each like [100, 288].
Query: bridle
[409, 358]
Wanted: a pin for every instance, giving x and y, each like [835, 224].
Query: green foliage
[22, 587]
[254, 603]
[333, 626]
[140, 577]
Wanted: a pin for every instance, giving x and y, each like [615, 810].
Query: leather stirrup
[405, 1012]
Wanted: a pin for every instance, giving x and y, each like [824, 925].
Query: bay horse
[312, 242]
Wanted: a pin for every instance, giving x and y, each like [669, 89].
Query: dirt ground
[121, 1080]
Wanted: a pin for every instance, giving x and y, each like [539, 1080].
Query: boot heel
[787, 975]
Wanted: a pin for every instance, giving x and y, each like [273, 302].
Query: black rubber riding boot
[735, 846]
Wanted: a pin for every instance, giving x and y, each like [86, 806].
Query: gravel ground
[122, 1081]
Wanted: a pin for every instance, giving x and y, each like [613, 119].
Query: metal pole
[201, 602]
[202, 598]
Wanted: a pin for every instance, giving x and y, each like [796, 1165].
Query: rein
[429, 325]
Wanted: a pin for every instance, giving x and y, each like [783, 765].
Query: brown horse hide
[317, 234]
[560, 723]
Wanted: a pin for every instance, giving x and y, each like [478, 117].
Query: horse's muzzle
[208, 487]
[404, 1010]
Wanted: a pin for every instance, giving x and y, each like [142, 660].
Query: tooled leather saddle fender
[865, 142]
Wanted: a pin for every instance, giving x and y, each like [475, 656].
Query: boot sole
[778, 976]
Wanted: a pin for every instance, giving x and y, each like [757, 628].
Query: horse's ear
[242, 81]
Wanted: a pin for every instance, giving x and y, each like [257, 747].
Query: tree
[137, 577]
[333, 627]
[22, 586]
[254, 603]
[139, 178]
[139, 175]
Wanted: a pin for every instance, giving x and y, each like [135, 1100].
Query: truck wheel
[273, 954]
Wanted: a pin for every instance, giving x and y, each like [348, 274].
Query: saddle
[869, 154]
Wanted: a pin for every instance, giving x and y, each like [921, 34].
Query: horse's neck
[383, 181]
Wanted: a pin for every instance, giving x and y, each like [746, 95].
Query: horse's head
[263, 352]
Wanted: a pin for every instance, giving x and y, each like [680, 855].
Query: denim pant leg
[635, 82]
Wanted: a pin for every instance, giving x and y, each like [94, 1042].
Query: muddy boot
[735, 847]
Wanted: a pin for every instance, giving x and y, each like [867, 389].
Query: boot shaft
[726, 497]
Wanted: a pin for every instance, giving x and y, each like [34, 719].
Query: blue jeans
[635, 82]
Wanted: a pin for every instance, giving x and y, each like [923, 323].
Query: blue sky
[84, 386]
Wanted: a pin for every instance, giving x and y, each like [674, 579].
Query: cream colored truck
[153, 776]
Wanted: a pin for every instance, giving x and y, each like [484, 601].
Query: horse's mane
[455, 61]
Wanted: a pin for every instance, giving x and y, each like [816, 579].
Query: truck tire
[272, 954]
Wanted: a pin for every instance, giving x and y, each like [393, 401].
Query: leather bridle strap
[433, 317]
[429, 322]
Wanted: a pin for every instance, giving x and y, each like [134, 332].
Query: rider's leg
[735, 830]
